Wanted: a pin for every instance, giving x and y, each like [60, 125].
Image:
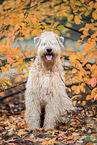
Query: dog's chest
[45, 82]
[46, 87]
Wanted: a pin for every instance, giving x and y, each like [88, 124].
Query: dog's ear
[36, 41]
[61, 40]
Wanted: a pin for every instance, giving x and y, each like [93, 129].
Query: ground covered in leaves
[77, 130]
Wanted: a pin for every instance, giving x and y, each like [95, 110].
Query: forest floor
[14, 130]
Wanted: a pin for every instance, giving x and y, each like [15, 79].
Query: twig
[12, 94]
[13, 86]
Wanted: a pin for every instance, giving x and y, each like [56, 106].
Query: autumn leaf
[86, 46]
[74, 103]
[17, 26]
[60, 27]
[83, 103]
[93, 81]
[74, 70]
[21, 132]
[10, 60]
[70, 17]
[73, 57]
[69, 49]
[75, 96]
[89, 143]
[88, 97]
[94, 15]
[78, 44]
[77, 20]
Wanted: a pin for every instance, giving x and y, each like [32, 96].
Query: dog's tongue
[48, 57]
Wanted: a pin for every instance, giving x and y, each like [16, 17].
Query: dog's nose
[49, 50]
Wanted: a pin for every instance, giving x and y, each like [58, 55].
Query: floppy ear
[36, 41]
[61, 40]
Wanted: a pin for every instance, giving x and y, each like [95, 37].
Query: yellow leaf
[55, 24]
[94, 15]
[70, 17]
[82, 87]
[12, 38]
[77, 20]
[74, 70]
[77, 91]
[9, 83]
[83, 103]
[60, 27]
[73, 57]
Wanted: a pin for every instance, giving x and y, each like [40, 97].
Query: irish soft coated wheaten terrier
[45, 86]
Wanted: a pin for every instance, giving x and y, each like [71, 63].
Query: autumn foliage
[24, 19]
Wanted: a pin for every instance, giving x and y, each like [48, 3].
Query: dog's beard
[48, 60]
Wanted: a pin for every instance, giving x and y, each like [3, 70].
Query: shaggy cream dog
[45, 86]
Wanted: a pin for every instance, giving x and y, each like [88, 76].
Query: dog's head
[49, 47]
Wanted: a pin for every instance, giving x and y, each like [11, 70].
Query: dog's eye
[44, 44]
[54, 43]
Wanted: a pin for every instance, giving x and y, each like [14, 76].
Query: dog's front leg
[32, 114]
[51, 116]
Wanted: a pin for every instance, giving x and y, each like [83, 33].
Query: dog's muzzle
[49, 54]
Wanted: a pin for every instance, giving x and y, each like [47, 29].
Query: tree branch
[12, 94]
[13, 86]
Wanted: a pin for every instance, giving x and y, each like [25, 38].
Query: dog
[45, 89]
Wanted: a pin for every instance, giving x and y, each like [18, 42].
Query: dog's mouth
[49, 56]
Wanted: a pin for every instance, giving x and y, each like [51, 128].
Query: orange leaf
[82, 87]
[85, 61]
[78, 44]
[69, 49]
[86, 46]
[75, 96]
[3, 69]
[83, 103]
[16, 26]
[10, 60]
[70, 141]
[74, 103]
[80, 75]
[93, 82]
[94, 92]
[88, 97]
[89, 143]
